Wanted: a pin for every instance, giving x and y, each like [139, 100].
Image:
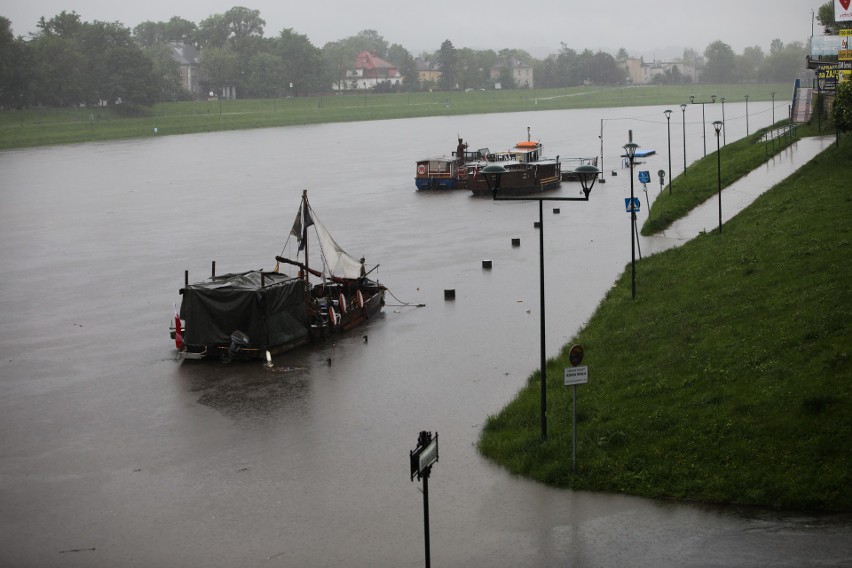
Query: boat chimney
[213, 269]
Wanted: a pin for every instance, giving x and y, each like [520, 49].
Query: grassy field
[728, 378]
[39, 127]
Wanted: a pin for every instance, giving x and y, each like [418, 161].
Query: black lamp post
[703, 122]
[717, 126]
[724, 138]
[588, 176]
[630, 149]
[668, 114]
[683, 111]
[746, 98]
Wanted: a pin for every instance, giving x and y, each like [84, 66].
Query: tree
[303, 64]
[842, 110]
[338, 61]
[748, 64]
[166, 71]
[784, 63]
[447, 59]
[720, 63]
[221, 68]
[825, 15]
[14, 67]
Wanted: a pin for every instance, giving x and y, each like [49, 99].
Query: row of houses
[369, 71]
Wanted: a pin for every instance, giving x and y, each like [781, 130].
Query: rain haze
[652, 29]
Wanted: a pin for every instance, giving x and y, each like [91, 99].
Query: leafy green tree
[474, 67]
[14, 67]
[303, 64]
[825, 15]
[720, 64]
[57, 78]
[176, 29]
[783, 63]
[166, 71]
[447, 59]
[220, 66]
[841, 111]
[748, 64]
[338, 61]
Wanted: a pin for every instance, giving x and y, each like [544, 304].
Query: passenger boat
[257, 314]
[447, 172]
[527, 170]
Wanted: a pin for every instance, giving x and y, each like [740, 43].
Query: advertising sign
[843, 10]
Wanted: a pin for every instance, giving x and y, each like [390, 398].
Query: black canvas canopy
[272, 314]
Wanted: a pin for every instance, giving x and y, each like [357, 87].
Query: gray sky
[650, 28]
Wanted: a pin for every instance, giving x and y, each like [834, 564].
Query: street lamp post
[724, 137]
[588, 176]
[683, 111]
[668, 114]
[703, 122]
[717, 126]
[773, 108]
[630, 149]
[746, 98]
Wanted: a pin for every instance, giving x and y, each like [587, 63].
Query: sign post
[662, 174]
[421, 459]
[575, 375]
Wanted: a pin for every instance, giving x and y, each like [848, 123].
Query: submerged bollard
[486, 264]
[516, 242]
[556, 210]
[536, 225]
[449, 294]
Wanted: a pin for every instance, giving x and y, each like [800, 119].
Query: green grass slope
[728, 378]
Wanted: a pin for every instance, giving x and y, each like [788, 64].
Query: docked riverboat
[257, 314]
[447, 172]
[527, 170]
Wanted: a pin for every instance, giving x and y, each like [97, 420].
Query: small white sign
[576, 375]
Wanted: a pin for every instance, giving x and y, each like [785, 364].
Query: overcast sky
[650, 28]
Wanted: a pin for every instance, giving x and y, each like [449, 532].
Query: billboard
[843, 10]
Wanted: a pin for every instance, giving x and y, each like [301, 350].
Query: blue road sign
[644, 177]
[631, 206]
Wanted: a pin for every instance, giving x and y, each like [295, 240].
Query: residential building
[641, 73]
[188, 59]
[369, 71]
[521, 73]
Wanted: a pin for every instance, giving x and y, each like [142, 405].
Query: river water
[115, 454]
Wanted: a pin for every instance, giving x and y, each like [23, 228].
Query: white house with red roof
[369, 71]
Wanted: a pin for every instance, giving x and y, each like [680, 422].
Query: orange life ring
[421, 169]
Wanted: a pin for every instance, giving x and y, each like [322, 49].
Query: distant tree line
[72, 62]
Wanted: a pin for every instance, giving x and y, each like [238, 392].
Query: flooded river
[115, 454]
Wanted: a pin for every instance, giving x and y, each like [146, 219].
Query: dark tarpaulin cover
[272, 315]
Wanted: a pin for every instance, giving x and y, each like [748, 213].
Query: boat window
[439, 166]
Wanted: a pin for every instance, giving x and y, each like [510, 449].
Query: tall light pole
[724, 137]
[683, 111]
[588, 176]
[703, 122]
[746, 98]
[773, 108]
[630, 149]
[668, 114]
[717, 126]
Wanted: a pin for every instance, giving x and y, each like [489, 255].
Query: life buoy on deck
[342, 303]
[359, 299]
[333, 317]
[421, 169]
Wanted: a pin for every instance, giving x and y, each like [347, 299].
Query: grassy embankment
[40, 127]
[702, 179]
[728, 378]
